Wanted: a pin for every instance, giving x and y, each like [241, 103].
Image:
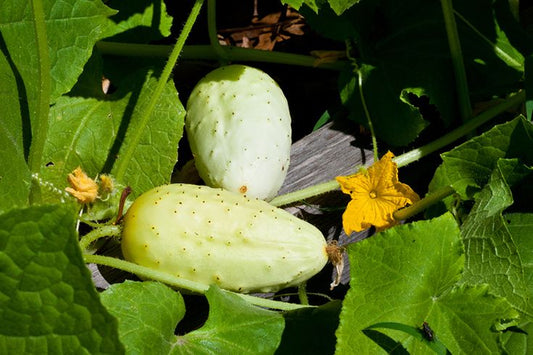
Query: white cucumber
[239, 129]
[214, 236]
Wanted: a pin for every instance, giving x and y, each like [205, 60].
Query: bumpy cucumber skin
[239, 129]
[214, 236]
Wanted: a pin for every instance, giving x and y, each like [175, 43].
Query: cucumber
[214, 236]
[239, 128]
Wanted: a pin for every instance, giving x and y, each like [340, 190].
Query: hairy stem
[97, 233]
[181, 283]
[165, 75]
[423, 204]
[302, 294]
[207, 52]
[212, 31]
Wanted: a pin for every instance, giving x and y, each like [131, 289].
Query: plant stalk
[207, 52]
[97, 233]
[461, 84]
[414, 209]
[181, 283]
[212, 32]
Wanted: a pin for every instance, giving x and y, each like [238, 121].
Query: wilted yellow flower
[82, 187]
[376, 194]
[106, 183]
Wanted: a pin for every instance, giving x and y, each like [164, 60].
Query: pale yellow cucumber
[214, 236]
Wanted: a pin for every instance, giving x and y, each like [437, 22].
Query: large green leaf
[73, 27]
[468, 167]
[408, 275]
[48, 304]
[147, 312]
[492, 255]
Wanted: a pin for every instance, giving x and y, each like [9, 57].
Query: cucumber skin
[239, 129]
[214, 236]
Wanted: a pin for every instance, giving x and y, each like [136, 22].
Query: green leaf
[48, 304]
[397, 122]
[338, 5]
[233, 327]
[492, 255]
[520, 226]
[147, 312]
[310, 330]
[468, 167]
[14, 173]
[73, 27]
[138, 21]
[424, 334]
[90, 132]
[409, 274]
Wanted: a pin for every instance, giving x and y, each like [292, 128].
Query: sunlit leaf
[48, 304]
[409, 274]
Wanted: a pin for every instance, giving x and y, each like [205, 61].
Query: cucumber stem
[174, 281]
[97, 233]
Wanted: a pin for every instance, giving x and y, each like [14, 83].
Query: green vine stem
[411, 156]
[302, 294]
[182, 283]
[461, 84]
[163, 79]
[300, 195]
[359, 74]
[195, 52]
[100, 232]
[40, 128]
[212, 31]
[414, 209]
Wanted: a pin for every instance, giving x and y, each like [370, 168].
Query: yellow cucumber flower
[82, 187]
[376, 194]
